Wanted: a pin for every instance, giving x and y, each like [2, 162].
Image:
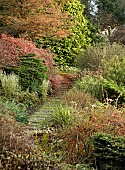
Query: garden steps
[36, 120]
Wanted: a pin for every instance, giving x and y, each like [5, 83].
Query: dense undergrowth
[86, 129]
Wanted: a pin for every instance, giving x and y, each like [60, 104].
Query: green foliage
[62, 115]
[91, 84]
[31, 72]
[114, 69]
[114, 73]
[109, 152]
[18, 111]
[27, 98]
[44, 88]
[102, 88]
[69, 69]
[113, 91]
[11, 89]
[66, 49]
[94, 57]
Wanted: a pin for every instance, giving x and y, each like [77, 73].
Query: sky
[94, 7]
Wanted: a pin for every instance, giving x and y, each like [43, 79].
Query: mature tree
[33, 18]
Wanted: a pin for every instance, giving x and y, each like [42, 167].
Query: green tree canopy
[66, 49]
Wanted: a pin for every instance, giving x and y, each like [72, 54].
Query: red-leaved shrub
[12, 49]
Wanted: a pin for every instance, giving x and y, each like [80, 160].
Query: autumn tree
[33, 18]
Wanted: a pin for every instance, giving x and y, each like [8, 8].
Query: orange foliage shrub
[34, 18]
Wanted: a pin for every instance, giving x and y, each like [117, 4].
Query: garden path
[37, 118]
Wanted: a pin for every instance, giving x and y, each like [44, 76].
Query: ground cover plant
[12, 109]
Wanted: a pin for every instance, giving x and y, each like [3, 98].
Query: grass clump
[62, 115]
[10, 84]
[44, 88]
[78, 99]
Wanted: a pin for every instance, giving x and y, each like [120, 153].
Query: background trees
[89, 9]
[106, 12]
[110, 12]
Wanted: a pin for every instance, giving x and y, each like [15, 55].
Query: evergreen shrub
[109, 152]
[31, 72]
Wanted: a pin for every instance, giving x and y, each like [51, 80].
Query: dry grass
[78, 99]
